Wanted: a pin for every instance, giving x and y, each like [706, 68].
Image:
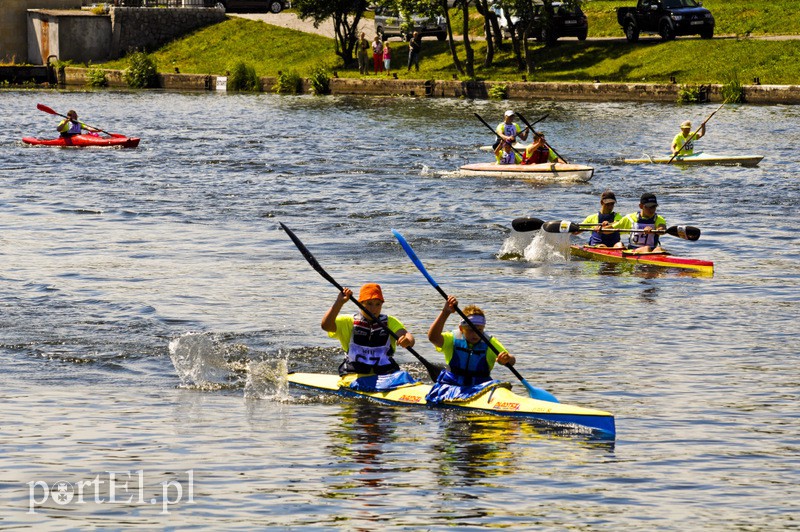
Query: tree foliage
[345, 15]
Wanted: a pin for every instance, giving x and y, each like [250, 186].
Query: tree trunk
[470, 61]
[450, 42]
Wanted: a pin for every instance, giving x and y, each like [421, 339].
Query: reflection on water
[151, 306]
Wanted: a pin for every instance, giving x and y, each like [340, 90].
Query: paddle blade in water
[563, 226]
[527, 224]
[687, 232]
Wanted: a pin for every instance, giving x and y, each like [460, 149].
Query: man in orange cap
[369, 347]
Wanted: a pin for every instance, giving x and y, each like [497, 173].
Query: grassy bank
[269, 49]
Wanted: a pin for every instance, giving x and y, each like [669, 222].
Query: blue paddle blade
[538, 393]
[413, 256]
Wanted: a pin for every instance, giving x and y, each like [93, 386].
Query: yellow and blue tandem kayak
[499, 401]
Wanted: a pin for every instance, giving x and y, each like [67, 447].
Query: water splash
[200, 361]
[537, 246]
[267, 379]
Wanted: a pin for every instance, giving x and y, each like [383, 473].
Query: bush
[96, 77]
[689, 94]
[142, 71]
[320, 81]
[288, 83]
[498, 92]
[243, 78]
[732, 91]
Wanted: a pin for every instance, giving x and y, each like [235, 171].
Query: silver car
[391, 24]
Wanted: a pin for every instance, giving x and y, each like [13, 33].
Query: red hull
[86, 140]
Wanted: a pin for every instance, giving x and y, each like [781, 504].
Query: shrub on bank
[142, 71]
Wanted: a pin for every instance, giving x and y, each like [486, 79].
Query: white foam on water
[199, 361]
[267, 379]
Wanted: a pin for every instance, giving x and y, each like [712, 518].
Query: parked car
[667, 18]
[566, 21]
[249, 6]
[390, 23]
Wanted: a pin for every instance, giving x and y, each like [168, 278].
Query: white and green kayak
[497, 401]
[701, 158]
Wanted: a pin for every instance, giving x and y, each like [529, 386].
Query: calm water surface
[151, 306]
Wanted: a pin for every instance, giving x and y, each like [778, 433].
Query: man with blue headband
[469, 358]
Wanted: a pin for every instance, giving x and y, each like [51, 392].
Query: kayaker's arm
[435, 331]
[405, 338]
[329, 319]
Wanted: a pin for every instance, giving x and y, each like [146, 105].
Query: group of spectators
[382, 54]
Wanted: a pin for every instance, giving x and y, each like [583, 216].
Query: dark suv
[567, 21]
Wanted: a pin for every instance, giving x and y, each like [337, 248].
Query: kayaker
[469, 359]
[646, 220]
[70, 125]
[368, 346]
[508, 130]
[605, 217]
[685, 134]
[539, 152]
[505, 154]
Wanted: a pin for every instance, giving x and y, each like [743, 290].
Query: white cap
[509, 113]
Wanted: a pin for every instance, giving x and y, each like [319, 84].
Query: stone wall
[81, 36]
[754, 94]
[136, 28]
[14, 25]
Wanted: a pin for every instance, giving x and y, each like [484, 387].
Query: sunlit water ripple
[151, 307]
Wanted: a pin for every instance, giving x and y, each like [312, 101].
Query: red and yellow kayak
[663, 259]
[86, 140]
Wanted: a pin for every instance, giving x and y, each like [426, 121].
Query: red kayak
[86, 140]
[656, 259]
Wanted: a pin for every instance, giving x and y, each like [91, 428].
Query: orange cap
[370, 291]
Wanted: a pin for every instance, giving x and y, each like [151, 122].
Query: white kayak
[544, 171]
[701, 158]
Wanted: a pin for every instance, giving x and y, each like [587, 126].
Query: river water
[151, 306]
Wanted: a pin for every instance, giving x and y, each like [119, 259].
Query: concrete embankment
[754, 94]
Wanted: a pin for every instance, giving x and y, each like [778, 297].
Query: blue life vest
[609, 239]
[469, 363]
[642, 239]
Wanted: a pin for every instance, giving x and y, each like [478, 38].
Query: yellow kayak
[498, 401]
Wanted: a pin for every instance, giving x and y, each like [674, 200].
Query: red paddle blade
[46, 109]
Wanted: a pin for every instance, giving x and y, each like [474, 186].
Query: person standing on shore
[363, 57]
[377, 54]
[414, 48]
[387, 58]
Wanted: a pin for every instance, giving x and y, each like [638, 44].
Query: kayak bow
[498, 401]
[86, 140]
[655, 259]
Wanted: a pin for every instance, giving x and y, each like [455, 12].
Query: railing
[155, 3]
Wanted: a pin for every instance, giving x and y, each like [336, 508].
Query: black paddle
[498, 135]
[686, 232]
[533, 392]
[537, 133]
[433, 370]
[46, 109]
[527, 224]
[695, 132]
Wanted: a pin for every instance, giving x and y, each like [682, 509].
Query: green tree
[346, 15]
